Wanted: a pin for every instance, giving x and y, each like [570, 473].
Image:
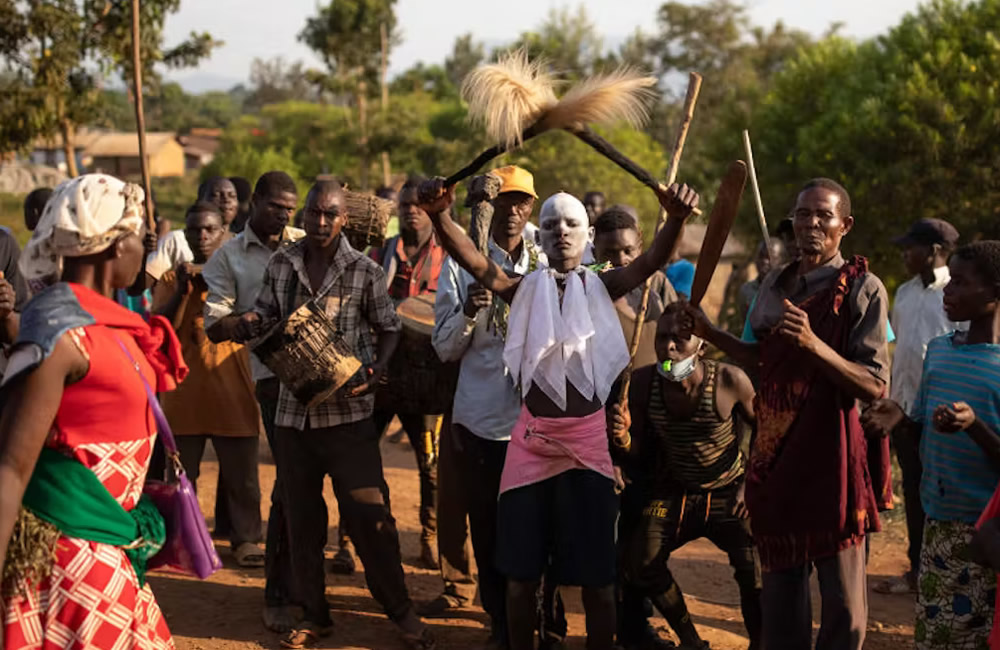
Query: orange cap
[515, 179]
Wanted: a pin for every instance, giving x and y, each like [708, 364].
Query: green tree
[275, 81]
[567, 40]
[347, 36]
[56, 53]
[466, 54]
[908, 122]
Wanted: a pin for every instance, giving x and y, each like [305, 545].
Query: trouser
[454, 545]
[844, 611]
[481, 464]
[349, 454]
[908, 454]
[241, 488]
[634, 609]
[277, 554]
[423, 431]
[668, 524]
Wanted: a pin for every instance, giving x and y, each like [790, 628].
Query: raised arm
[678, 202]
[436, 200]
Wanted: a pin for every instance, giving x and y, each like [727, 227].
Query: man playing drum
[565, 347]
[412, 263]
[337, 436]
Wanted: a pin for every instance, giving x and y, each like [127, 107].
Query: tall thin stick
[140, 120]
[384, 37]
[694, 87]
[756, 194]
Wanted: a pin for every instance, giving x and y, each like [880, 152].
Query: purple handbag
[188, 548]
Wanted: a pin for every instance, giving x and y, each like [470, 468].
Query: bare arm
[170, 297]
[27, 419]
[436, 200]
[744, 353]
[853, 378]
[679, 202]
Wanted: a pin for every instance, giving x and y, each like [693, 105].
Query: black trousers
[417, 427]
[349, 454]
[908, 454]
[634, 609]
[240, 485]
[675, 519]
[277, 554]
[454, 544]
[481, 464]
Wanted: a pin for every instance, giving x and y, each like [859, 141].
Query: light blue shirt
[958, 479]
[487, 402]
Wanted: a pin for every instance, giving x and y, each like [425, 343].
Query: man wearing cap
[917, 317]
[469, 327]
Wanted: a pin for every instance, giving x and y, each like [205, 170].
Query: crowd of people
[774, 445]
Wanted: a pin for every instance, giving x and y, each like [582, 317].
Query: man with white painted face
[565, 348]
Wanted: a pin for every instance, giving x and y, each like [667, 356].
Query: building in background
[118, 154]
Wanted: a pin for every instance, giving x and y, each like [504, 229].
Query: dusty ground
[224, 611]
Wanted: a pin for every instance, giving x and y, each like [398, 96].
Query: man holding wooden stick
[565, 347]
[821, 323]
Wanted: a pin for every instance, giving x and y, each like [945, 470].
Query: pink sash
[541, 448]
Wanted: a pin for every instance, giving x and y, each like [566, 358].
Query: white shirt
[917, 317]
[487, 402]
[171, 251]
[234, 275]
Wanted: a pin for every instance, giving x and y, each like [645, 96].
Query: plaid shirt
[354, 296]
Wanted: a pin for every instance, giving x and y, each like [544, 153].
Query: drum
[417, 381]
[367, 218]
[308, 355]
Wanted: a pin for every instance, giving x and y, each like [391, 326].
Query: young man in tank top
[678, 429]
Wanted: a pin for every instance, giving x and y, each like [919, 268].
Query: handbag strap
[166, 435]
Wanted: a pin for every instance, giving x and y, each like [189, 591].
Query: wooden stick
[694, 87]
[140, 121]
[756, 194]
[612, 153]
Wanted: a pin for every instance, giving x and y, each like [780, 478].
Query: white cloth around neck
[578, 340]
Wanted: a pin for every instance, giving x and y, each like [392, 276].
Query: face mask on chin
[679, 370]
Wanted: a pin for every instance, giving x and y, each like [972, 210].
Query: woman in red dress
[72, 387]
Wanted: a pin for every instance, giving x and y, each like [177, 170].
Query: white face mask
[679, 370]
[565, 228]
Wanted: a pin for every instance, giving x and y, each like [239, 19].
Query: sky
[265, 29]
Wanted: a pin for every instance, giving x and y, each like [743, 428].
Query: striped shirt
[958, 480]
[697, 452]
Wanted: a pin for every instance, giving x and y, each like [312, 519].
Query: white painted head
[564, 230]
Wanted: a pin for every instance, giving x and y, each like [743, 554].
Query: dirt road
[223, 612]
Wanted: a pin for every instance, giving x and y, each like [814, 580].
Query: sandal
[423, 641]
[305, 637]
[249, 556]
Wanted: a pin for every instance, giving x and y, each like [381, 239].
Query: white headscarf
[84, 216]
